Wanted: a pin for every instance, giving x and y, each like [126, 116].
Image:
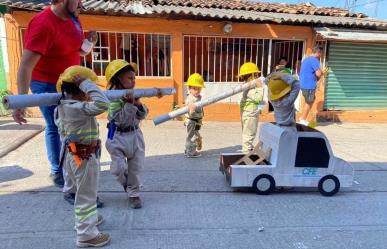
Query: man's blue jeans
[53, 143]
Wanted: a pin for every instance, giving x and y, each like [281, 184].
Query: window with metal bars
[291, 51]
[218, 59]
[151, 52]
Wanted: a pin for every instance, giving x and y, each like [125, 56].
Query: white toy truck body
[302, 159]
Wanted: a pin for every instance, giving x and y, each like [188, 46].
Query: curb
[16, 144]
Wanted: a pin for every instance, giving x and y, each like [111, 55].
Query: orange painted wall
[14, 50]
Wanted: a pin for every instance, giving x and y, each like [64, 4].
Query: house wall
[176, 28]
[4, 57]
[14, 50]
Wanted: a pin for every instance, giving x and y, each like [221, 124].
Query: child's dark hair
[70, 88]
[115, 81]
[283, 58]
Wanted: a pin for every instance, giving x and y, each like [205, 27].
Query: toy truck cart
[285, 158]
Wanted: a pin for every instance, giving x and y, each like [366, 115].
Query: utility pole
[351, 6]
[354, 2]
[346, 4]
[376, 8]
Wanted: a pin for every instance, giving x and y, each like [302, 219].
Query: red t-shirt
[58, 42]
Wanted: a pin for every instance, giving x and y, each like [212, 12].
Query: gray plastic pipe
[213, 99]
[48, 99]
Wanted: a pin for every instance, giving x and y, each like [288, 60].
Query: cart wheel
[329, 185]
[264, 184]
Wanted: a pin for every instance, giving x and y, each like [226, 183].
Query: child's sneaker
[193, 155]
[135, 202]
[100, 240]
[303, 122]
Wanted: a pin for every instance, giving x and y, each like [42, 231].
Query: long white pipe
[243, 87]
[48, 99]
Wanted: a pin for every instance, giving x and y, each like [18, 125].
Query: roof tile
[218, 9]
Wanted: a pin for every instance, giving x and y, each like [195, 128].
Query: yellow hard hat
[115, 66]
[278, 88]
[70, 72]
[134, 66]
[195, 80]
[248, 68]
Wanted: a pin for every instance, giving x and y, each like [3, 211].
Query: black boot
[99, 203]
[69, 197]
[57, 179]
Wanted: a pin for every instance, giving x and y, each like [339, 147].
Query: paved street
[188, 204]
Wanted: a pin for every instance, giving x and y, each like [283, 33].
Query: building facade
[170, 39]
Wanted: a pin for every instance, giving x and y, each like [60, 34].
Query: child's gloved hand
[258, 83]
[159, 93]
[77, 79]
[191, 108]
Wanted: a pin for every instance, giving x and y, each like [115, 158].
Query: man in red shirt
[53, 42]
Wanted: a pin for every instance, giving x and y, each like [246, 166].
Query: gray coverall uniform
[127, 148]
[284, 111]
[249, 110]
[193, 122]
[77, 124]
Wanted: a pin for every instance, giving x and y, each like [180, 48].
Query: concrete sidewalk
[188, 204]
[13, 135]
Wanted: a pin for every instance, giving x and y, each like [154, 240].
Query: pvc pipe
[48, 99]
[181, 111]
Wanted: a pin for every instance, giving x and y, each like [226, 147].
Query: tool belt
[198, 122]
[84, 151]
[127, 129]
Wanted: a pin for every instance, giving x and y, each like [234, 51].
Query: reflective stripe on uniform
[86, 134]
[101, 105]
[115, 106]
[248, 104]
[83, 214]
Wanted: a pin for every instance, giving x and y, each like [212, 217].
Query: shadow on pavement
[15, 172]
[14, 126]
[170, 159]
[6, 121]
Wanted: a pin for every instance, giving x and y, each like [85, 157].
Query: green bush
[3, 111]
